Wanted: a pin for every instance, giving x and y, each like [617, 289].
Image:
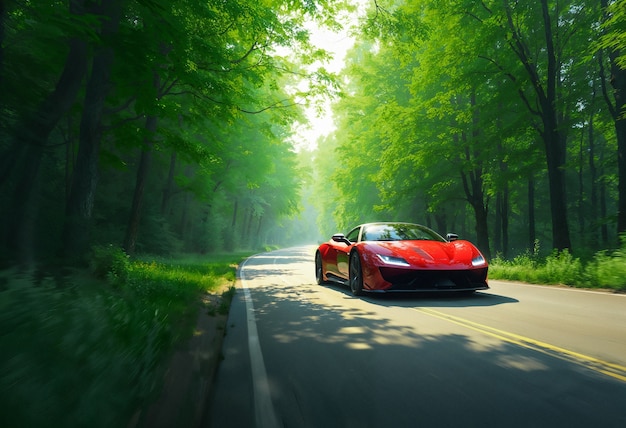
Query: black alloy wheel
[356, 275]
[319, 275]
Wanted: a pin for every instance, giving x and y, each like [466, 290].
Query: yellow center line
[614, 370]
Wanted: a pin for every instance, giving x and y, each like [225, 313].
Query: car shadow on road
[429, 299]
[330, 348]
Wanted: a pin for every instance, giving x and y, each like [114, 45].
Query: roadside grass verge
[88, 348]
[605, 270]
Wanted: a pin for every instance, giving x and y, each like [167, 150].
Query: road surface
[297, 354]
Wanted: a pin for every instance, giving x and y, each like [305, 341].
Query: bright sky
[337, 43]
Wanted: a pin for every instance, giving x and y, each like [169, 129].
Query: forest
[149, 147]
[155, 126]
[502, 121]
[168, 127]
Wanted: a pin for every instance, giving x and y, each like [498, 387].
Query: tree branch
[605, 92]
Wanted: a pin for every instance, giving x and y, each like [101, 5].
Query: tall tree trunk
[132, 230]
[554, 143]
[168, 189]
[25, 154]
[505, 221]
[35, 129]
[604, 229]
[532, 235]
[602, 200]
[440, 220]
[79, 207]
[501, 233]
[258, 238]
[581, 187]
[184, 214]
[593, 172]
[234, 220]
[497, 226]
[473, 183]
[3, 16]
[618, 81]
[21, 239]
[504, 212]
[547, 97]
[248, 229]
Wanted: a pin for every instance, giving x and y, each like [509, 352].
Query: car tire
[356, 274]
[319, 274]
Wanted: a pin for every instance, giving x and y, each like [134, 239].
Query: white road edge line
[264, 412]
[557, 287]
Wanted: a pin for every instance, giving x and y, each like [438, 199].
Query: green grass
[605, 270]
[89, 348]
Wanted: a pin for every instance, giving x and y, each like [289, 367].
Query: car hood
[429, 253]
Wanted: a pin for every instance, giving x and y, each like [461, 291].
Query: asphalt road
[301, 355]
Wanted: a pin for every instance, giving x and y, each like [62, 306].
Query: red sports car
[388, 257]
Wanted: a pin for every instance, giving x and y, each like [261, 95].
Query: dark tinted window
[399, 232]
[353, 235]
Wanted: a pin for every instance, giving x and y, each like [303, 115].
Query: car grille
[430, 280]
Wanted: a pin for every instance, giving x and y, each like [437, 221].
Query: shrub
[76, 352]
[605, 270]
[109, 262]
[608, 270]
[522, 268]
[562, 268]
[74, 356]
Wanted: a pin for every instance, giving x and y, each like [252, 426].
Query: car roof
[388, 222]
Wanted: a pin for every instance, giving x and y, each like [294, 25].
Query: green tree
[471, 81]
[33, 125]
[613, 42]
[166, 85]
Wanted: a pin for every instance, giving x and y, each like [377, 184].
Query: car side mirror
[340, 237]
[452, 237]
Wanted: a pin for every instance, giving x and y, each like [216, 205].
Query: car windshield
[399, 232]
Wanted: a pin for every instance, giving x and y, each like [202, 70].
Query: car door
[343, 252]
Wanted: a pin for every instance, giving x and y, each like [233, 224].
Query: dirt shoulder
[189, 378]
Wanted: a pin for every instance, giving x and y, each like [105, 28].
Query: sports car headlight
[478, 261]
[397, 261]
